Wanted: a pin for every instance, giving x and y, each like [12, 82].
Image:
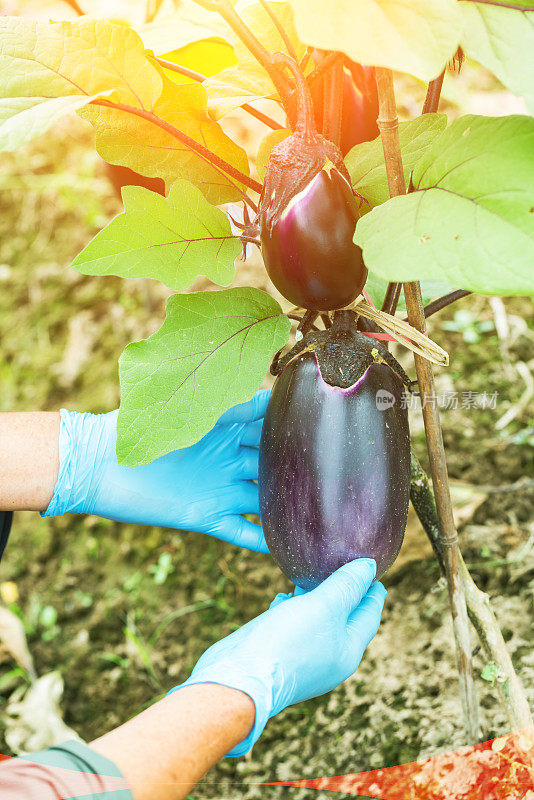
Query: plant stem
[391, 298]
[430, 106]
[281, 30]
[479, 609]
[389, 130]
[443, 302]
[333, 101]
[260, 53]
[433, 94]
[197, 76]
[216, 161]
[325, 64]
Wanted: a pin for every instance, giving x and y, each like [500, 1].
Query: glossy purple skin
[334, 474]
[309, 253]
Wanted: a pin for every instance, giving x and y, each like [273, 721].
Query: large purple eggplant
[334, 475]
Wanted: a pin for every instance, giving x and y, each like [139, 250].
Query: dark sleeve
[6, 518]
[69, 770]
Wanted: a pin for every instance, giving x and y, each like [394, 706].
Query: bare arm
[165, 750]
[29, 459]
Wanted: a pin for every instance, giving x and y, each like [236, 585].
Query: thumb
[348, 585]
[247, 412]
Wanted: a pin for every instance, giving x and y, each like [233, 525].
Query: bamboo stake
[511, 692]
[388, 125]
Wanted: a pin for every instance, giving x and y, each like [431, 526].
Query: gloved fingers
[239, 531]
[280, 597]
[247, 412]
[363, 623]
[347, 586]
[248, 463]
[251, 434]
[246, 498]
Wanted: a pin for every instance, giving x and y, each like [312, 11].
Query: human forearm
[164, 751]
[29, 459]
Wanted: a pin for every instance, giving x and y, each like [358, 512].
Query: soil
[61, 334]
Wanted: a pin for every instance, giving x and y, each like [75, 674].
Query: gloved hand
[302, 647]
[205, 487]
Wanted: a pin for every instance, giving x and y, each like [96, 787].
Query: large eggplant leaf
[173, 239]
[502, 39]
[51, 69]
[470, 220]
[414, 36]
[248, 81]
[212, 351]
[208, 57]
[146, 146]
[190, 23]
[366, 165]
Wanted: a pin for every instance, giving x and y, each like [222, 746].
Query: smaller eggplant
[309, 251]
[307, 218]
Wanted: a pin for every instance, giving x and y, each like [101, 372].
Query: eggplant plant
[339, 211]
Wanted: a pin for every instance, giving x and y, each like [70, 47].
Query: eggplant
[309, 251]
[334, 461]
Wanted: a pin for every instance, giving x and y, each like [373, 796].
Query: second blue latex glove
[302, 647]
[206, 487]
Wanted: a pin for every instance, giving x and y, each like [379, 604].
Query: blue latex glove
[205, 487]
[302, 647]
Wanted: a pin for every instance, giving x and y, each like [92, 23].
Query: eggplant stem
[511, 692]
[304, 119]
[448, 537]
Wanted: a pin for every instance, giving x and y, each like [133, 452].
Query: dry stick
[200, 78]
[430, 105]
[388, 125]
[478, 607]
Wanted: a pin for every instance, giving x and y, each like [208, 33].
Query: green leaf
[502, 39]
[470, 221]
[365, 162]
[212, 351]
[148, 147]
[192, 24]
[248, 81]
[51, 69]
[414, 36]
[24, 118]
[173, 239]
